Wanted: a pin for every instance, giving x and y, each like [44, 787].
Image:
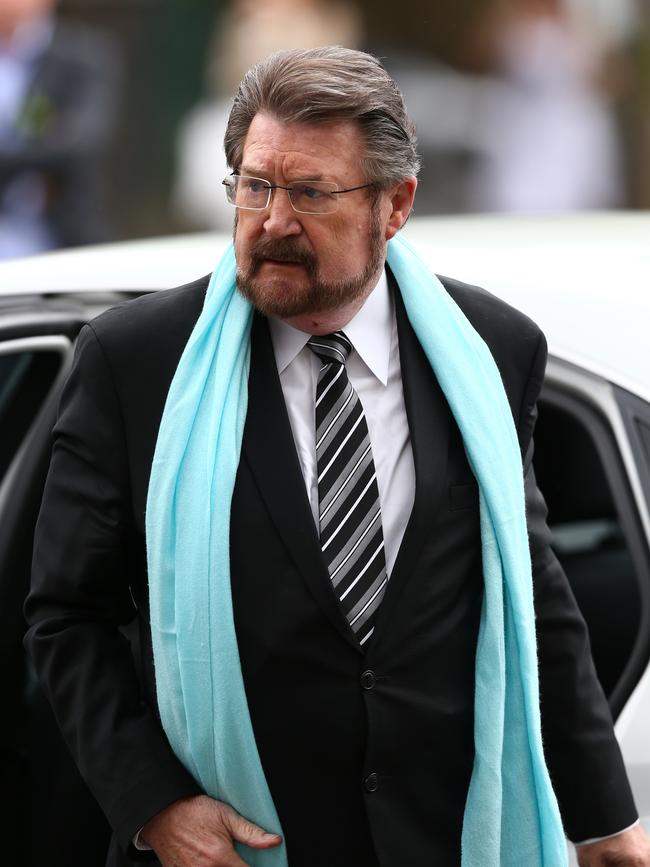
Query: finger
[247, 832]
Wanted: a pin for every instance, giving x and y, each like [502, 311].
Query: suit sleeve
[83, 565]
[582, 753]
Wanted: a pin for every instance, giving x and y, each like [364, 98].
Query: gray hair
[326, 84]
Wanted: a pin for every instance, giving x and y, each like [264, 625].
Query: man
[349, 475]
[59, 90]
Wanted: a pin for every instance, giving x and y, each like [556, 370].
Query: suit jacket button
[368, 679]
[371, 783]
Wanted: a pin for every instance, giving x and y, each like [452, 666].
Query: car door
[592, 460]
[51, 819]
[633, 724]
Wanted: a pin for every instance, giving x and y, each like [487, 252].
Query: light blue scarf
[511, 816]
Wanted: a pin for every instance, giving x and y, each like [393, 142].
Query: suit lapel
[269, 451]
[429, 419]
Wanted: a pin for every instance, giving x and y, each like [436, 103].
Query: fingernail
[268, 836]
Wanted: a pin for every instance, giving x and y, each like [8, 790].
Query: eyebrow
[246, 170]
[258, 173]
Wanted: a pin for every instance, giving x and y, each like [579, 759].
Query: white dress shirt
[374, 370]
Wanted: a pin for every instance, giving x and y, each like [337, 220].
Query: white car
[584, 279]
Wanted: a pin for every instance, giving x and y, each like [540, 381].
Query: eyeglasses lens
[312, 197]
[246, 192]
[315, 197]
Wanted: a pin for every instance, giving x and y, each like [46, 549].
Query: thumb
[247, 832]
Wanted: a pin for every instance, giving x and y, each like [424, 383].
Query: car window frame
[59, 343]
[593, 401]
[636, 412]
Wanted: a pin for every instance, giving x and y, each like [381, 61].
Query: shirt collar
[369, 331]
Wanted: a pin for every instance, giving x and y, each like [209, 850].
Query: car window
[577, 468]
[26, 378]
[644, 432]
[636, 418]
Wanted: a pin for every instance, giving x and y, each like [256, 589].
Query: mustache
[282, 251]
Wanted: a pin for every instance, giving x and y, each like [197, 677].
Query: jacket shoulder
[161, 318]
[516, 343]
[490, 316]
[142, 340]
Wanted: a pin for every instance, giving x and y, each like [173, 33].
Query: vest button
[371, 783]
[368, 679]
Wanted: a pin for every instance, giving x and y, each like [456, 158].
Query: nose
[281, 220]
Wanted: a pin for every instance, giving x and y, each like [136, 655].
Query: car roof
[585, 279]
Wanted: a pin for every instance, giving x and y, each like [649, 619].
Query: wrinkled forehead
[329, 149]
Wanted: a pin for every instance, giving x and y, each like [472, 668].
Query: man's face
[290, 264]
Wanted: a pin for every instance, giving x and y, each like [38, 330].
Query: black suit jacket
[368, 756]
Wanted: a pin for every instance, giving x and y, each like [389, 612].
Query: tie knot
[331, 348]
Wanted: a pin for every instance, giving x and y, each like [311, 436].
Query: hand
[629, 849]
[199, 832]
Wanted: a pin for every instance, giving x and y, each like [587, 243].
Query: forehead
[307, 150]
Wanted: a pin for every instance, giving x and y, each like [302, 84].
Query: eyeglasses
[306, 197]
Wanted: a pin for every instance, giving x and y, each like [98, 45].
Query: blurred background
[112, 111]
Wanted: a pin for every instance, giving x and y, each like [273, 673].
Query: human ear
[401, 201]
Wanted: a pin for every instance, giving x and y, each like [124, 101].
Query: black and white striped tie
[351, 534]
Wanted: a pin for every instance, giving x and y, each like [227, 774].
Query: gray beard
[321, 296]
